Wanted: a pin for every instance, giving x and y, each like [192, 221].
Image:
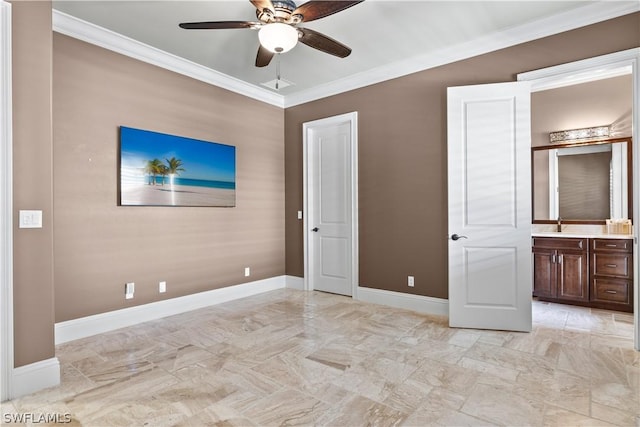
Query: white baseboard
[34, 377]
[294, 282]
[104, 322]
[419, 303]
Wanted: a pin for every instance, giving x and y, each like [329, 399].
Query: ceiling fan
[278, 27]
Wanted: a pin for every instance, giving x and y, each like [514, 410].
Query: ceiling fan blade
[321, 42]
[218, 25]
[313, 10]
[264, 57]
[263, 4]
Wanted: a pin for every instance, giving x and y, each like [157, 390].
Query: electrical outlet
[247, 271]
[410, 281]
[129, 290]
[162, 287]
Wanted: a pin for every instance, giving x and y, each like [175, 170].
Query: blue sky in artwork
[201, 159]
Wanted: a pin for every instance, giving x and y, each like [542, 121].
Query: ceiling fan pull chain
[277, 71]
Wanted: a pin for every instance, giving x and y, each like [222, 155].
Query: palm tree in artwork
[163, 171]
[175, 166]
[152, 168]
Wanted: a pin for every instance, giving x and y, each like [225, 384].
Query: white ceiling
[388, 38]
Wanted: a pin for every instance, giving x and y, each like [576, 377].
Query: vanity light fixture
[585, 134]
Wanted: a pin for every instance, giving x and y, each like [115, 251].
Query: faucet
[559, 227]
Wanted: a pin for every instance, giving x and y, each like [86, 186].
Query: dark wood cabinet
[590, 272]
[612, 274]
[573, 279]
[560, 267]
[544, 273]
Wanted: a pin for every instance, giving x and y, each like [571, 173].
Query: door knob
[456, 237]
[315, 229]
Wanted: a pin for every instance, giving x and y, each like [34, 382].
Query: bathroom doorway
[620, 69]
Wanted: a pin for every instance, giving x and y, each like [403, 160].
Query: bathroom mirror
[582, 182]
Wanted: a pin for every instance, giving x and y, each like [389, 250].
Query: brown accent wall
[32, 188]
[402, 154]
[99, 246]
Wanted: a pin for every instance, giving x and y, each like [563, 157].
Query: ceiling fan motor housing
[281, 13]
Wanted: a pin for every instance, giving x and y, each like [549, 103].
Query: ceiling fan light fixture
[278, 37]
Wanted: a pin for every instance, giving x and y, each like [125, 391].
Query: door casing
[6, 207]
[308, 198]
[597, 68]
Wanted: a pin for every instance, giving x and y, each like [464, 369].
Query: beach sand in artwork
[182, 195]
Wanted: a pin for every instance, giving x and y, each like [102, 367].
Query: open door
[489, 145]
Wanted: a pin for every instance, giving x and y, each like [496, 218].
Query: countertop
[579, 231]
[581, 235]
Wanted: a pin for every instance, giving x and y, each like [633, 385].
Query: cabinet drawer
[560, 243]
[607, 264]
[611, 290]
[617, 245]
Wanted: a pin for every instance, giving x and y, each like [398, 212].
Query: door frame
[307, 162]
[6, 206]
[597, 68]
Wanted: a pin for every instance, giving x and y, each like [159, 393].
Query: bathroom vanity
[590, 270]
[576, 187]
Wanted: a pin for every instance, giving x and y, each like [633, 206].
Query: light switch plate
[30, 219]
[299, 214]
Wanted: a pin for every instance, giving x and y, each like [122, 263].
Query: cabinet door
[544, 273]
[572, 276]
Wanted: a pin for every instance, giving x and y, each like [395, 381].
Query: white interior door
[489, 146]
[330, 225]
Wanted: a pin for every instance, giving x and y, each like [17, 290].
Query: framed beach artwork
[157, 169]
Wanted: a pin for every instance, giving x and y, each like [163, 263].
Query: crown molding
[566, 21]
[99, 36]
[587, 70]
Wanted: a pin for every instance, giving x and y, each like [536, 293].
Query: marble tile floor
[290, 357]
